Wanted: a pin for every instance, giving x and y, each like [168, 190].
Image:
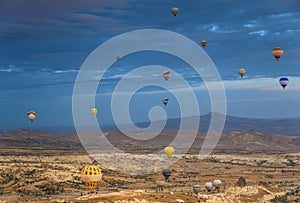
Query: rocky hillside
[249, 141]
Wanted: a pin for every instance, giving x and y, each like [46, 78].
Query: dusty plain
[39, 172]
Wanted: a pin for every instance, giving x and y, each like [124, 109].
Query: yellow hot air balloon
[169, 151]
[242, 72]
[203, 43]
[91, 176]
[31, 115]
[175, 11]
[277, 53]
[166, 74]
[94, 111]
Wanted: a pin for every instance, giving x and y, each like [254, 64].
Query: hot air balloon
[196, 189]
[118, 57]
[91, 176]
[242, 72]
[208, 186]
[283, 81]
[217, 183]
[166, 74]
[94, 111]
[277, 53]
[169, 151]
[165, 101]
[167, 173]
[175, 11]
[203, 43]
[31, 115]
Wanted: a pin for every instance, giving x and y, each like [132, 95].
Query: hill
[288, 126]
[249, 141]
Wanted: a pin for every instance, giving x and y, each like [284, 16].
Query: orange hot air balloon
[277, 53]
[203, 43]
[31, 115]
[175, 11]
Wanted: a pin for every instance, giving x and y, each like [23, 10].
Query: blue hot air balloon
[283, 81]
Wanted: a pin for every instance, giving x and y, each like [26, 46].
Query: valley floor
[36, 177]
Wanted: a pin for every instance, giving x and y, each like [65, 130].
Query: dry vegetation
[52, 175]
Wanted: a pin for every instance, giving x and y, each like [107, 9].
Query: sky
[43, 45]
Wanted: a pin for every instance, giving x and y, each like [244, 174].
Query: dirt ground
[56, 178]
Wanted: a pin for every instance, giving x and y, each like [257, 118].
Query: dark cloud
[55, 7]
[69, 28]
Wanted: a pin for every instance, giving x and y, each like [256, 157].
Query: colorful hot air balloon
[91, 176]
[283, 81]
[167, 173]
[169, 151]
[203, 43]
[242, 72]
[94, 111]
[165, 101]
[196, 189]
[277, 53]
[31, 115]
[175, 11]
[166, 74]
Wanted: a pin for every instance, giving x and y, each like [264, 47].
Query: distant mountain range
[240, 135]
[288, 126]
[41, 142]
[283, 126]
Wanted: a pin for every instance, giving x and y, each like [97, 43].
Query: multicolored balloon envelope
[91, 176]
[277, 53]
[165, 101]
[31, 115]
[283, 81]
[196, 189]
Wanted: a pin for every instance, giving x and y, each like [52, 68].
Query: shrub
[280, 199]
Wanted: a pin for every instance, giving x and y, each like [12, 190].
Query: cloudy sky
[45, 43]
